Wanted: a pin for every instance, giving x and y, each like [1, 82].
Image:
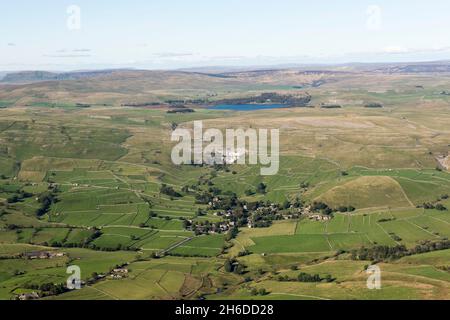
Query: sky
[167, 34]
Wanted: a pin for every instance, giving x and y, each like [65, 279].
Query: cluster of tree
[232, 265]
[262, 214]
[322, 207]
[318, 206]
[48, 289]
[151, 215]
[330, 106]
[373, 105]
[176, 103]
[225, 202]
[261, 188]
[387, 219]
[181, 111]
[383, 253]
[304, 185]
[169, 191]
[346, 209]
[119, 247]
[186, 255]
[305, 277]
[444, 268]
[19, 196]
[259, 292]
[428, 246]
[85, 243]
[144, 104]
[272, 97]
[204, 198]
[12, 226]
[264, 218]
[232, 233]
[395, 237]
[82, 105]
[249, 192]
[46, 199]
[430, 206]
[297, 204]
[244, 253]
[379, 253]
[214, 191]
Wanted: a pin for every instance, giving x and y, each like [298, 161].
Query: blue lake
[247, 107]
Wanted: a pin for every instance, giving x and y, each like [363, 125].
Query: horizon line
[278, 66]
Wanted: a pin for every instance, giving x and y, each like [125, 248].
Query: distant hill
[153, 87]
[416, 68]
[131, 87]
[38, 76]
[382, 67]
[3, 74]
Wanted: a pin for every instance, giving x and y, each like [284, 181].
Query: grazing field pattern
[87, 180]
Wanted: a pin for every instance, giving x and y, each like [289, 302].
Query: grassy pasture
[108, 163]
[367, 192]
[295, 243]
[201, 246]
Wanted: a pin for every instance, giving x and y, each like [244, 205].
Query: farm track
[176, 245]
[387, 233]
[158, 283]
[404, 193]
[8, 127]
[299, 295]
[105, 293]
[440, 220]
[417, 226]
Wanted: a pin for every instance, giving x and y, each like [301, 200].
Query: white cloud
[172, 54]
[395, 50]
[404, 50]
[67, 55]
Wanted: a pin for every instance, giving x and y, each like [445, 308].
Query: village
[257, 215]
[42, 255]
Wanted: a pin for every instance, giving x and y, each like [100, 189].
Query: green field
[105, 172]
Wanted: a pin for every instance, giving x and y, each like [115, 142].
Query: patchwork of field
[104, 166]
[349, 231]
[415, 277]
[171, 278]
